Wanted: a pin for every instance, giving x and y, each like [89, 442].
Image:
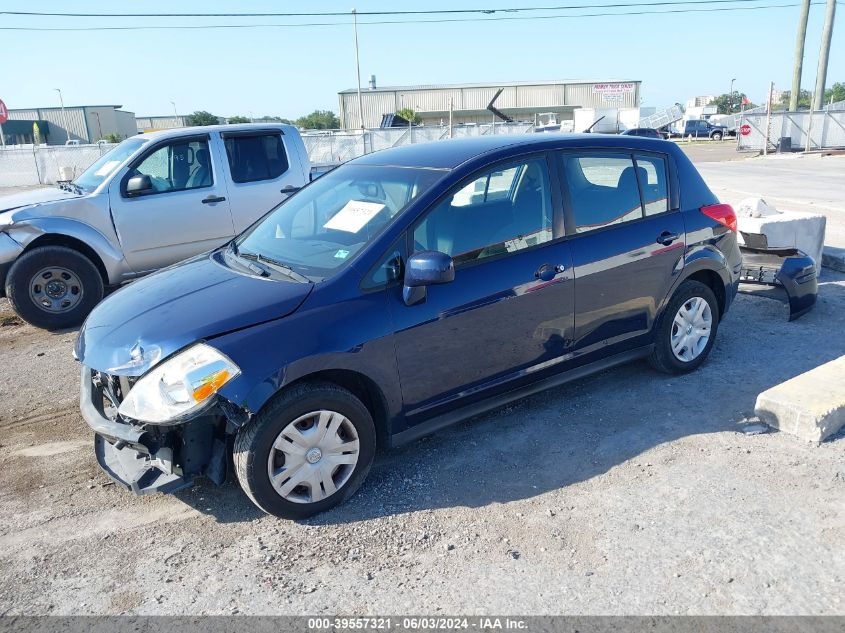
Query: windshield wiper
[280, 266]
[247, 260]
[71, 187]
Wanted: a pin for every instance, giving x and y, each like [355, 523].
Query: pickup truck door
[264, 167]
[185, 213]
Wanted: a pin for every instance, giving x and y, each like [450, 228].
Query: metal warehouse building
[86, 124]
[520, 101]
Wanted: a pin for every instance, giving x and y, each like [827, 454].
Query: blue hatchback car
[404, 291]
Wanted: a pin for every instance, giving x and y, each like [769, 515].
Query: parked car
[397, 294]
[699, 128]
[646, 132]
[150, 202]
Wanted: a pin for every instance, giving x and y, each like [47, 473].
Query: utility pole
[768, 117]
[798, 62]
[358, 70]
[64, 118]
[824, 53]
[175, 114]
[731, 97]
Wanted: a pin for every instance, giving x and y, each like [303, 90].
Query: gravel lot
[625, 493]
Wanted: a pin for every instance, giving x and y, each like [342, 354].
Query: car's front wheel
[54, 287]
[717, 136]
[306, 452]
[687, 329]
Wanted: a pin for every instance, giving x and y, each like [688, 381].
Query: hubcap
[55, 289]
[691, 329]
[313, 457]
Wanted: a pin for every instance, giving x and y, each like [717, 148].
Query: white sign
[612, 96]
[354, 216]
[617, 88]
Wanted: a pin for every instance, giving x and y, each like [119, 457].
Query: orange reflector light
[211, 384]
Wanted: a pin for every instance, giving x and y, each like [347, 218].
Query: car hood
[34, 196]
[137, 326]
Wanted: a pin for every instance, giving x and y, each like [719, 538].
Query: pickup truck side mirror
[424, 269]
[138, 185]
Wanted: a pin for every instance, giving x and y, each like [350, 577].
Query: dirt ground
[625, 493]
[628, 492]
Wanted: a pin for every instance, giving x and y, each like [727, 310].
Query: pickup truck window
[256, 157]
[105, 166]
[177, 166]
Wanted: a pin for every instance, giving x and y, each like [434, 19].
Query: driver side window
[178, 166]
[504, 210]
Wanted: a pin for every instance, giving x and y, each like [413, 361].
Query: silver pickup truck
[153, 200]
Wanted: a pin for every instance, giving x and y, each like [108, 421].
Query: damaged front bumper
[151, 458]
[787, 268]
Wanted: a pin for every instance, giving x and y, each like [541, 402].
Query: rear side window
[256, 157]
[603, 190]
[653, 177]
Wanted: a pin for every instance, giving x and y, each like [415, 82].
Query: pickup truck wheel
[54, 287]
[306, 452]
[686, 330]
[717, 136]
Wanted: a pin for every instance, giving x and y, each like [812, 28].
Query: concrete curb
[810, 406]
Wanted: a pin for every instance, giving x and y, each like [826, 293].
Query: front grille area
[112, 389]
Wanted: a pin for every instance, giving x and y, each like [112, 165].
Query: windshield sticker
[107, 168]
[341, 254]
[354, 216]
[280, 234]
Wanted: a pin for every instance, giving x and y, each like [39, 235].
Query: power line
[490, 11]
[435, 21]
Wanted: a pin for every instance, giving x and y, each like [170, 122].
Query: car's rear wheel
[686, 330]
[54, 287]
[308, 451]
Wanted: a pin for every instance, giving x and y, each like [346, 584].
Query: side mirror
[424, 269]
[138, 184]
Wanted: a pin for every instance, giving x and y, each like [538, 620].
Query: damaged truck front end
[788, 269]
[145, 457]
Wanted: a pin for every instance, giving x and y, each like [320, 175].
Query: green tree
[319, 120]
[112, 138]
[835, 93]
[729, 103]
[803, 100]
[409, 115]
[237, 119]
[201, 117]
[273, 119]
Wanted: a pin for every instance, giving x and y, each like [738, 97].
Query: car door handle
[211, 199]
[547, 272]
[667, 238]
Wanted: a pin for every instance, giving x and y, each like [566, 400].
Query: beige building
[85, 124]
[520, 100]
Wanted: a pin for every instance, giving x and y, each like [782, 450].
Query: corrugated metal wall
[70, 126]
[434, 99]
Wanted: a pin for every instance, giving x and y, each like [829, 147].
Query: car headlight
[178, 386]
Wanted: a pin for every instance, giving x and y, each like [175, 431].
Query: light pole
[175, 114]
[64, 118]
[731, 96]
[358, 69]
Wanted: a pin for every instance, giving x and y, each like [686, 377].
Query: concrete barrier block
[834, 258]
[810, 406]
[790, 229]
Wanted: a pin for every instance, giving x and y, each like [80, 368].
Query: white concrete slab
[810, 406]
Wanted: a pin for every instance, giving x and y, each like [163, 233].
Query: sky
[291, 71]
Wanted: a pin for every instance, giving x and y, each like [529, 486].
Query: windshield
[104, 166]
[320, 229]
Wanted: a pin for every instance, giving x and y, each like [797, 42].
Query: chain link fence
[792, 131]
[43, 165]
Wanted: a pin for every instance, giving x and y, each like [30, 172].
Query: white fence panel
[823, 129]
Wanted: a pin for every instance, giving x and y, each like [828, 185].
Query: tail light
[722, 213]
